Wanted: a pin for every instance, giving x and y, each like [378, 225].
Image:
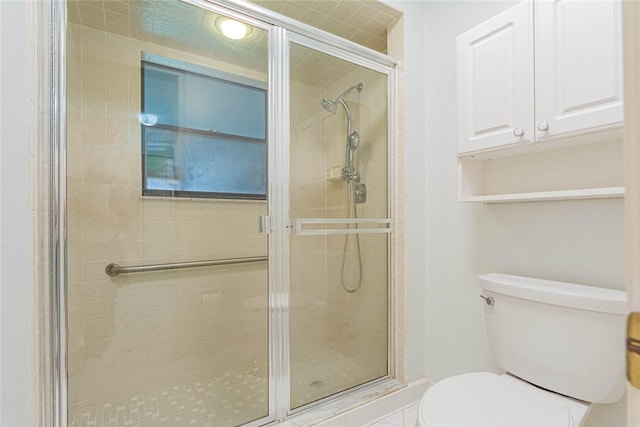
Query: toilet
[561, 345]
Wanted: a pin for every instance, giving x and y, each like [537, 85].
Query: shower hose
[351, 205]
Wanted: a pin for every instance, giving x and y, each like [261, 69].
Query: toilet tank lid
[564, 294]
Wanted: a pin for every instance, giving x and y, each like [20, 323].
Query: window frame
[182, 69]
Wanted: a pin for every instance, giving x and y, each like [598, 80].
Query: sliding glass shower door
[167, 279]
[339, 205]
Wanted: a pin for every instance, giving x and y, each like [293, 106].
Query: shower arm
[348, 91]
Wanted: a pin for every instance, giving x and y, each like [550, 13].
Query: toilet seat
[484, 399]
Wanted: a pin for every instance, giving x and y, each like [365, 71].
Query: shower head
[332, 106]
[329, 105]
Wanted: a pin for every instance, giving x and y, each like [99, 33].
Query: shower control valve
[361, 192]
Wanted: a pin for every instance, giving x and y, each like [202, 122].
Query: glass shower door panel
[339, 244]
[338, 337]
[155, 95]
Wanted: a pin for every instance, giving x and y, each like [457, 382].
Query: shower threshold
[331, 406]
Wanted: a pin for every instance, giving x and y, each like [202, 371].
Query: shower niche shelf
[590, 171]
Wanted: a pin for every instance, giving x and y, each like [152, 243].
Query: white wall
[15, 216]
[450, 243]
[455, 335]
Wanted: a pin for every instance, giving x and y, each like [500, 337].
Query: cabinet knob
[543, 126]
[518, 132]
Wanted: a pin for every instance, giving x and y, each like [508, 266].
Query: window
[203, 132]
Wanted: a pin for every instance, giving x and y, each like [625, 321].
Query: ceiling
[361, 21]
[184, 27]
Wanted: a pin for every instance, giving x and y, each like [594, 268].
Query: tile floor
[405, 417]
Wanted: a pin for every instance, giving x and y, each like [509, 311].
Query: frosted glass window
[202, 136]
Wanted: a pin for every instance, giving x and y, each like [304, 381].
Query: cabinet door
[578, 66]
[495, 81]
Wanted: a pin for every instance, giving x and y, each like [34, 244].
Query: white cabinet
[495, 81]
[577, 68]
[540, 106]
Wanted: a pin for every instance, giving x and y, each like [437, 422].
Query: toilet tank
[563, 337]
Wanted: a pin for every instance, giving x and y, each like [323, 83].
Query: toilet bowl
[548, 336]
[484, 399]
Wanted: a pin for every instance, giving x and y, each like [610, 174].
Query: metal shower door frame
[291, 226]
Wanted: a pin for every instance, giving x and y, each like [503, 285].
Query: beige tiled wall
[135, 332]
[308, 199]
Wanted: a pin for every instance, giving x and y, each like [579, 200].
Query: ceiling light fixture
[232, 29]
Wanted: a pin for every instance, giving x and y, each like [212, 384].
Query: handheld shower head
[353, 138]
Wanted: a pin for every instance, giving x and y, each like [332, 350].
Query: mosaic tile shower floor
[228, 400]
[223, 401]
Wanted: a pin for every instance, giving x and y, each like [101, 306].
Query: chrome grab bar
[114, 269]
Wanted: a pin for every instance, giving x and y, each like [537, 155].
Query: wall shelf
[538, 196]
[590, 171]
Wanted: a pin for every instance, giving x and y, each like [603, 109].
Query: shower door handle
[264, 224]
[373, 226]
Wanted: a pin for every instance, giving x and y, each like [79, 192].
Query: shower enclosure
[225, 208]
